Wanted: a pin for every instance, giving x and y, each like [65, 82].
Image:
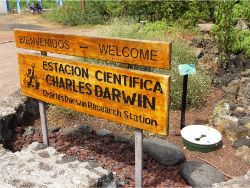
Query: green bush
[71, 13]
[242, 43]
[198, 12]
[224, 30]
[229, 39]
[242, 10]
[181, 54]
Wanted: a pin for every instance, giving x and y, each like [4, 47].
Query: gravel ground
[109, 154]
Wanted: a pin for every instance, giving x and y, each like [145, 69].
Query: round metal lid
[201, 134]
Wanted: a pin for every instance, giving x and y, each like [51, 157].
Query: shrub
[224, 30]
[198, 84]
[242, 43]
[71, 13]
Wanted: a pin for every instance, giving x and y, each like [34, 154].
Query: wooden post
[138, 157]
[43, 117]
[83, 7]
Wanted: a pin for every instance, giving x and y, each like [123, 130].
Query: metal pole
[138, 150]
[184, 100]
[44, 123]
[138, 157]
[27, 3]
[60, 2]
[43, 117]
[18, 7]
[8, 6]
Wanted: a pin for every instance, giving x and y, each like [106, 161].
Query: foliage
[242, 42]
[242, 10]
[224, 29]
[96, 12]
[198, 11]
[242, 38]
[71, 13]
[229, 39]
[181, 54]
[67, 15]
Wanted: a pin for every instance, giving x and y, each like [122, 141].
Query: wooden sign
[135, 98]
[145, 53]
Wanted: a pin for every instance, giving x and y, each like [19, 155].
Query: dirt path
[9, 79]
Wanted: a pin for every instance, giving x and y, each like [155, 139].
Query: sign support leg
[43, 117]
[44, 123]
[184, 100]
[138, 157]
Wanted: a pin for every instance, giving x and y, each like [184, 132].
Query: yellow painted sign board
[135, 98]
[137, 52]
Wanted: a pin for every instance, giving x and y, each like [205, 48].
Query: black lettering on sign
[66, 69]
[21, 39]
[128, 52]
[47, 42]
[153, 54]
[129, 81]
[140, 118]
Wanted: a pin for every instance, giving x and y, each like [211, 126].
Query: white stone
[27, 167]
[101, 171]
[231, 118]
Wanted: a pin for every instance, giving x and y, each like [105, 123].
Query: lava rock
[243, 153]
[66, 159]
[85, 129]
[163, 151]
[39, 146]
[244, 92]
[44, 154]
[124, 139]
[234, 132]
[245, 141]
[199, 53]
[29, 131]
[239, 112]
[223, 80]
[53, 129]
[244, 120]
[103, 132]
[246, 73]
[69, 131]
[242, 181]
[199, 174]
[231, 90]
[107, 181]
